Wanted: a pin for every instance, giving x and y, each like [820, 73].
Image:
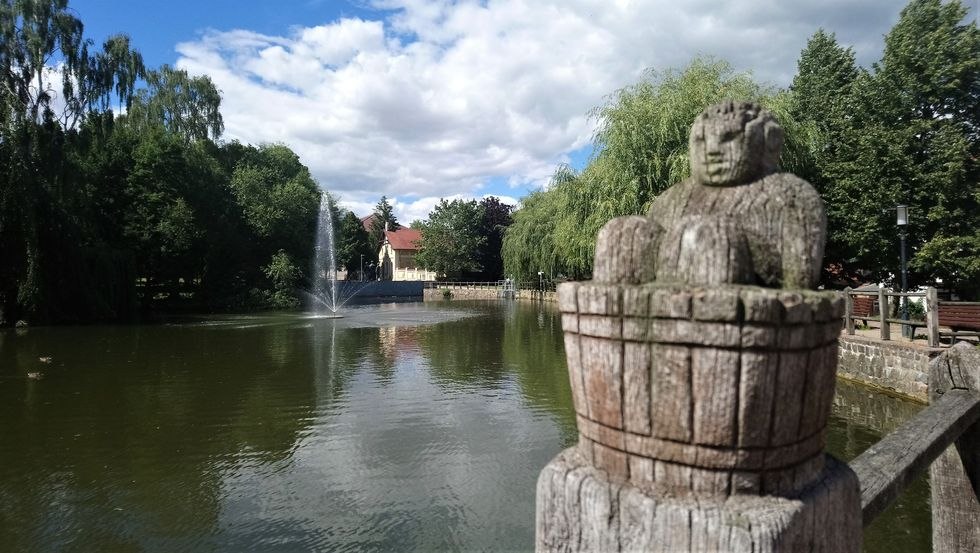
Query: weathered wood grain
[955, 476]
[755, 404]
[887, 467]
[715, 388]
[670, 303]
[787, 400]
[626, 251]
[637, 361]
[716, 304]
[824, 385]
[849, 311]
[602, 370]
[568, 297]
[884, 310]
[704, 250]
[932, 316]
[581, 509]
[575, 374]
[670, 393]
[702, 368]
[781, 254]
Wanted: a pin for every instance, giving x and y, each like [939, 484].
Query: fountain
[327, 294]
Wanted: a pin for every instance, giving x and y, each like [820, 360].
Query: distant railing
[545, 285]
[458, 285]
[413, 274]
[874, 303]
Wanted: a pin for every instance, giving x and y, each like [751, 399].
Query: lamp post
[361, 276]
[902, 221]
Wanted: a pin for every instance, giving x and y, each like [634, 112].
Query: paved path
[920, 339]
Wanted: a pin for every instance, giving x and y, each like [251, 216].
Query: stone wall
[388, 289]
[898, 367]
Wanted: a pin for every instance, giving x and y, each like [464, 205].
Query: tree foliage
[184, 105]
[384, 217]
[904, 132]
[640, 150]
[353, 246]
[496, 217]
[451, 238]
[104, 216]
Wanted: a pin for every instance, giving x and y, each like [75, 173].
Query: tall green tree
[909, 135]
[451, 239]
[43, 231]
[279, 201]
[353, 246]
[384, 217]
[825, 76]
[496, 218]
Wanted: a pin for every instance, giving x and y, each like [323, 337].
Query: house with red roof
[368, 221]
[397, 256]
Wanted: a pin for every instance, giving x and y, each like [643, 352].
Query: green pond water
[400, 427]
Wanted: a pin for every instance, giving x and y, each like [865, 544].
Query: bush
[916, 311]
[284, 275]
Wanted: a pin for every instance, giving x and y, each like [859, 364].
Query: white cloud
[439, 97]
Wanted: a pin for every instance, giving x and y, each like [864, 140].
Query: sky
[425, 99]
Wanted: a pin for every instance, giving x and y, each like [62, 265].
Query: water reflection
[861, 416]
[278, 433]
[399, 427]
[131, 429]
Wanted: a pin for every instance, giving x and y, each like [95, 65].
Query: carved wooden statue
[735, 220]
[702, 367]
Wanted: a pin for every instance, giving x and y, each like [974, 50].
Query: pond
[400, 427]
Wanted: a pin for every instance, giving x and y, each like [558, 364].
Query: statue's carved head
[734, 143]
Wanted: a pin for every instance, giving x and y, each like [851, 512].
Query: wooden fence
[944, 438]
[873, 303]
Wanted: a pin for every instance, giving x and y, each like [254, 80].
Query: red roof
[368, 221]
[404, 238]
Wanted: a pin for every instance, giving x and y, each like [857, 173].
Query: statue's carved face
[733, 144]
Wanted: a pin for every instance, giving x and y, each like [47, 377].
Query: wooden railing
[546, 285]
[856, 310]
[945, 438]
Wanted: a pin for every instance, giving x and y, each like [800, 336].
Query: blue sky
[422, 99]
[157, 27]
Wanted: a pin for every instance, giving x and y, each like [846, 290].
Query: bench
[863, 307]
[960, 316]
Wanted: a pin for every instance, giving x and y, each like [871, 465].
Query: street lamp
[902, 221]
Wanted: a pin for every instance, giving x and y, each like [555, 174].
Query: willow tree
[51, 78]
[188, 106]
[640, 149]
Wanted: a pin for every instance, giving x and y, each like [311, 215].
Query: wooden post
[932, 316]
[883, 313]
[955, 475]
[849, 311]
[702, 400]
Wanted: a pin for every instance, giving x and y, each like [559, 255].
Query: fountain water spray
[325, 258]
[327, 292]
